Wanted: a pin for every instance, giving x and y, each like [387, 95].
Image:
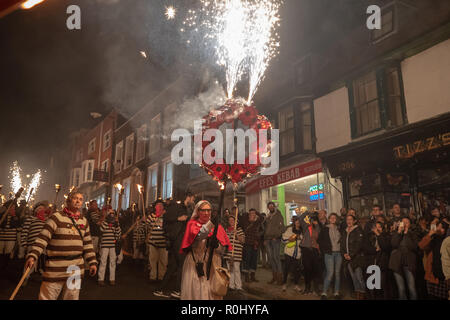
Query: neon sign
[316, 192]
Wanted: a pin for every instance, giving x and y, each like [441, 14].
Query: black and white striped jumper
[154, 227]
[7, 231]
[139, 233]
[34, 230]
[109, 235]
[25, 230]
[237, 245]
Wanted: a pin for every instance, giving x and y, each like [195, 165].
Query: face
[343, 211]
[379, 227]
[396, 209]
[204, 212]
[322, 214]
[349, 221]
[190, 199]
[271, 207]
[76, 201]
[252, 215]
[439, 229]
[333, 219]
[406, 223]
[297, 223]
[352, 212]
[231, 221]
[376, 211]
[435, 213]
[159, 207]
[93, 205]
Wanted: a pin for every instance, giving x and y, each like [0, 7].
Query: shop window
[376, 101]
[155, 134]
[365, 185]
[287, 130]
[363, 204]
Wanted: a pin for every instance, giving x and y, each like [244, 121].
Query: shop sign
[409, 150]
[284, 176]
[101, 176]
[316, 192]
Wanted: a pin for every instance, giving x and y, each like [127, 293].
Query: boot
[280, 278]
[274, 278]
[247, 277]
[252, 277]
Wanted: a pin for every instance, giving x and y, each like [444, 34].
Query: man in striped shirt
[33, 229]
[110, 234]
[66, 236]
[157, 242]
[94, 219]
[234, 257]
[8, 233]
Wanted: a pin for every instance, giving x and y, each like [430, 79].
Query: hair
[253, 209]
[398, 204]
[72, 194]
[350, 215]
[188, 195]
[332, 214]
[270, 202]
[376, 206]
[445, 225]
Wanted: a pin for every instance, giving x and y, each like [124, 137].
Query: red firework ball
[219, 171]
[248, 116]
[237, 173]
[262, 123]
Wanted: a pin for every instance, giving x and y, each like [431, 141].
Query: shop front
[305, 184]
[409, 166]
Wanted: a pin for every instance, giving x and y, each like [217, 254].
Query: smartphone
[433, 227]
[401, 225]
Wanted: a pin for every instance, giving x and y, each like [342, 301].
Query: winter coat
[371, 255]
[307, 240]
[432, 258]
[274, 226]
[253, 232]
[324, 240]
[404, 252]
[174, 229]
[445, 257]
[351, 243]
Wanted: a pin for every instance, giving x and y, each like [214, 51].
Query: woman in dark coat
[403, 260]
[351, 249]
[377, 249]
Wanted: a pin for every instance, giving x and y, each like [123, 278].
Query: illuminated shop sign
[316, 192]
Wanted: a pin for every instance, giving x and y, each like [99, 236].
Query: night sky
[52, 78]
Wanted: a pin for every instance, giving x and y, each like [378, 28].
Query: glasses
[205, 210]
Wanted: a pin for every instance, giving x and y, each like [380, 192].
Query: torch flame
[221, 185]
[71, 188]
[118, 186]
[139, 188]
[30, 4]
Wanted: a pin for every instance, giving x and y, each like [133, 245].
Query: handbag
[220, 281]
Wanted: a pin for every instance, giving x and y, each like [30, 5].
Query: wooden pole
[17, 196]
[25, 275]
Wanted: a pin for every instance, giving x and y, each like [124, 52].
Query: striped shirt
[25, 230]
[139, 233]
[65, 247]
[109, 235]
[34, 230]
[8, 233]
[237, 245]
[155, 228]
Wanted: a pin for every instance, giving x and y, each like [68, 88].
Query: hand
[92, 270]
[182, 218]
[30, 262]
[347, 257]
[431, 232]
[378, 249]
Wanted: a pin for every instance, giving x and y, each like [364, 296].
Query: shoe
[279, 278]
[323, 296]
[284, 287]
[337, 296]
[274, 278]
[175, 294]
[113, 283]
[101, 283]
[306, 292]
[297, 288]
[160, 293]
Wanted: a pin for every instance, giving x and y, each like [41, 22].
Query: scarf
[72, 215]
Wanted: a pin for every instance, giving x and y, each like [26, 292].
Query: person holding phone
[403, 260]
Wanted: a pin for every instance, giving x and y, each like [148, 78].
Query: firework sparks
[170, 12]
[34, 184]
[143, 54]
[16, 180]
[243, 36]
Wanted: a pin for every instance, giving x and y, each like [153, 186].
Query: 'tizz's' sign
[411, 149]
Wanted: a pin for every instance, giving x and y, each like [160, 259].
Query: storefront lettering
[411, 149]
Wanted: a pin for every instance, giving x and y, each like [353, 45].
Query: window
[167, 179]
[377, 101]
[118, 157]
[126, 194]
[76, 174]
[91, 147]
[88, 170]
[152, 184]
[366, 104]
[387, 25]
[169, 125]
[141, 142]
[105, 165]
[155, 134]
[107, 140]
[287, 131]
[306, 124]
[129, 148]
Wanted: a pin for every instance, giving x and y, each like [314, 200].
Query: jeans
[174, 266]
[333, 264]
[293, 265]
[312, 267]
[273, 254]
[250, 259]
[400, 280]
[357, 278]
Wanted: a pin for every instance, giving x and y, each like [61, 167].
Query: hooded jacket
[274, 225]
[351, 244]
[404, 252]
